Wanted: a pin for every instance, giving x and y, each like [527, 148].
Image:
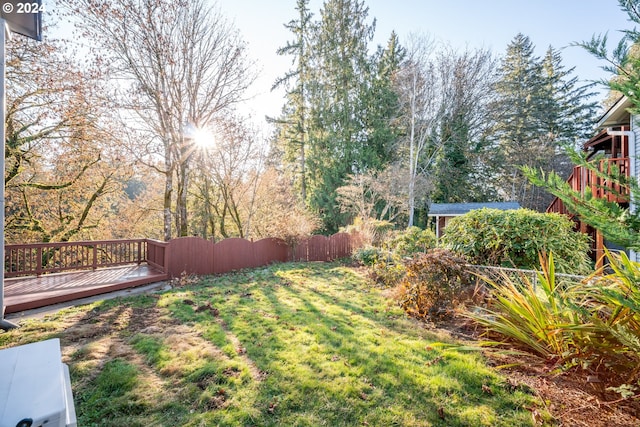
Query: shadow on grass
[335, 356]
[290, 344]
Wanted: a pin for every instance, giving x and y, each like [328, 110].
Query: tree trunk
[412, 154]
[168, 192]
[183, 225]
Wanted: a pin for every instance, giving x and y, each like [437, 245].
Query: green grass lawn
[288, 345]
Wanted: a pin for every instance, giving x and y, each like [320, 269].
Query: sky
[489, 24]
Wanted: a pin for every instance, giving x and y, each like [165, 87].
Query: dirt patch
[570, 401]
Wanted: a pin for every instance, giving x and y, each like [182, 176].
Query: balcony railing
[585, 180]
[35, 259]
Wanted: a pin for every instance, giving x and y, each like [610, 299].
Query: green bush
[386, 262]
[435, 283]
[514, 238]
[411, 241]
[369, 255]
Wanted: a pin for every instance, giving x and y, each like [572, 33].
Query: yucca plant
[540, 317]
[615, 310]
[593, 323]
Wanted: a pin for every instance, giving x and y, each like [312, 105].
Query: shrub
[372, 231]
[435, 283]
[369, 255]
[616, 315]
[386, 262]
[388, 272]
[411, 241]
[515, 238]
[533, 315]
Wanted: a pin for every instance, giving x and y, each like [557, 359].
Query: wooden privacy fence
[190, 255]
[194, 255]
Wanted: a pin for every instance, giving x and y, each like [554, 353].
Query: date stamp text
[22, 7]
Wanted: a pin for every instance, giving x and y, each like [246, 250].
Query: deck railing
[35, 259]
[585, 180]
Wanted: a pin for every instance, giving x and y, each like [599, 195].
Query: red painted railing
[35, 259]
[586, 180]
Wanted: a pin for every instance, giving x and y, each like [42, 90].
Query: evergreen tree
[341, 46]
[293, 125]
[539, 109]
[381, 106]
[341, 106]
[568, 109]
[519, 109]
[341, 115]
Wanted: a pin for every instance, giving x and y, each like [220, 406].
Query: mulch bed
[575, 398]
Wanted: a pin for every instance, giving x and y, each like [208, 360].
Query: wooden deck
[25, 293]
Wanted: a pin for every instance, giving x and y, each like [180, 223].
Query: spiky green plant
[615, 313]
[593, 323]
[540, 317]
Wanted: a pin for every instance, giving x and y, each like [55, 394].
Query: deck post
[39, 261]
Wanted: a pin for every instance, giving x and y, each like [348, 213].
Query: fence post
[39, 261]
[95, 257]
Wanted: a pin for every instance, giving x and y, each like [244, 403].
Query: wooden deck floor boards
[25, 293]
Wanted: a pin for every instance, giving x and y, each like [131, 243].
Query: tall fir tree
[341, 46]
[293, 124]
[341, 106]
[520, 90]
[381, 106]
[540, 107]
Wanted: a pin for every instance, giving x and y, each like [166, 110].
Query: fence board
[232, 254]
[191, 255]
[270, 250]
[318, 249]
[300, 251]
[339, 246]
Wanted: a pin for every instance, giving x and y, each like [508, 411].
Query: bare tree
[226, 175]
[419, 91]
[60, 161]
[380, 195]
[442, 91]
[179, 63]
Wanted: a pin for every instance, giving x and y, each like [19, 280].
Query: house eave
[616, 115]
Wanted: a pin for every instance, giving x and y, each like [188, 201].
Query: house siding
[634, 169]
